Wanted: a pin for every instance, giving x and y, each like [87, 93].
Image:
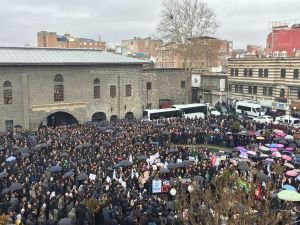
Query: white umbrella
[289, 165]
[289, 137]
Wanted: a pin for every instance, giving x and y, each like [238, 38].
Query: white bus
[193, 110]
[248, 108]
[154, 114]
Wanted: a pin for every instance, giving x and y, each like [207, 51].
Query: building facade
[140, 47]
[208, 87]
[163, 87]
[274, 83]
[52, 40]
[284, 39]
[67, 85]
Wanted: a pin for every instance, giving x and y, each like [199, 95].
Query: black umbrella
[82, 161]
[82, 176]
[108, 131]
[64, 154]
[25, 155]
[262, 177]
[198, 178]
[138, 144]
[214, 125]
[69, 174]
[1, 148]
[15, 186]
[125, 163]
[55, 169]
[187, 163]
[106, 143]
[164, 170]
[65, 221]
[172, 165]
[159, 125]
[43, 145]
[142, 157]
[23, 150]
[172, 150]
[244, 167]
[5, 191]
[3, 174]
[283, 142]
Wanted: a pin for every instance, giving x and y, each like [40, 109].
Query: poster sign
[166, 186]
[156, 186]
[92, 176]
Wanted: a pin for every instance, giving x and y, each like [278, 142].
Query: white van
[284, 120]
[248, 108]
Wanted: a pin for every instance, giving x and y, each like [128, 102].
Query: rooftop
[58, 56]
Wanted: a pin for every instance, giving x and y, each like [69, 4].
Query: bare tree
[187, 23]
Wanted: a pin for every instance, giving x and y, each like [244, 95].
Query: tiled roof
[24, 55]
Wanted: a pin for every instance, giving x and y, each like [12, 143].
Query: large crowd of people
[103, 172]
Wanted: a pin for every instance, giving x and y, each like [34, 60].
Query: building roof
[58, 56]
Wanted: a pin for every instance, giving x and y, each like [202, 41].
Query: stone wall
[165, 84]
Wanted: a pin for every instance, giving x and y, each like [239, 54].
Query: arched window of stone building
[282, 93]
[96, 88]
[58, 88]
[7, 92]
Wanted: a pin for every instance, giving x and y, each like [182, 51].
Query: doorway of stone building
[98, 117]
[61, 118]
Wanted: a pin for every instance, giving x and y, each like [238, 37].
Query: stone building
[67, 85]
[163, 87]
[274, 83]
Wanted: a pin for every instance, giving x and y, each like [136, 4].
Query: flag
[132, 174]
[114, 174]
[213, 160]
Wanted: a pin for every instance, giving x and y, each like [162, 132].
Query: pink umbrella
[251, 152]
[276, 154]
[291, 173]
[274, 149]
[270, 160]
[286, 157]
[280, 134]
[280, 145]
[289, 149]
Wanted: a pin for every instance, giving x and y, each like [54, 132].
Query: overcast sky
[242, 21]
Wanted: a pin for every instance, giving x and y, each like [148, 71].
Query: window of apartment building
[236, 72]
[270, 91]
[232, 71]
[230, 87]
[113, 91]
[128, 90]
[250, 73]
[296, 73]
[7, 92]
[265, 91]
[96, 88]
[250, 90]
[298, 94]
[260, 72]
[149, 85]
[254, 90]
[282, 93]
[183, 84]
[266, 72]
[245, 72]
[236, 88]
[241, 89]
[9, 125]
[283, 73]
[58, 88]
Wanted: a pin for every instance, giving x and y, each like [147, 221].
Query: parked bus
[154, 114]
[193, 110]
[249, 109]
